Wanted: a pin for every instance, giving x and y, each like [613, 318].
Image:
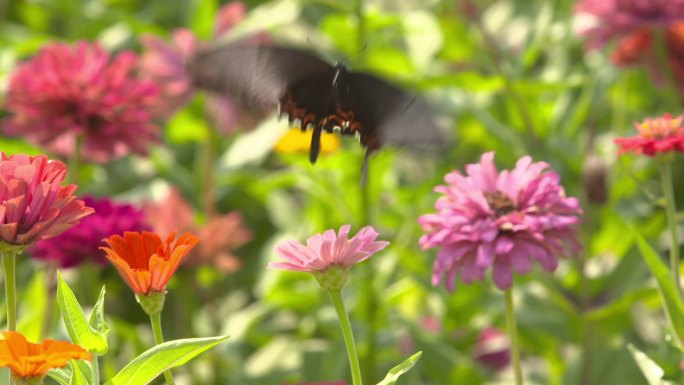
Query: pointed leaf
[77, 377]
[394, 373]
[97, 321]
[147, 366]
[650, 370]
[77, 326]
[674, 308]
[61, 375]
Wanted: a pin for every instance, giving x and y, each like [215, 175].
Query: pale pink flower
[503, 220]
[165, 64]
[67, 91]
[323, 251]
[35, 205]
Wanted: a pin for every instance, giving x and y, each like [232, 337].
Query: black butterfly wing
[391, 116]
[259, 75]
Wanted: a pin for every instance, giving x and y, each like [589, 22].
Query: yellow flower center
[661, 127]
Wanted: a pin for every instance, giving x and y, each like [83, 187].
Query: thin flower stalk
[336, 297]
[513, 333]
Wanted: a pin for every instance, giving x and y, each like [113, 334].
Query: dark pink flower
[67, 91]
[656, 135]
[493, 349]
[82, 242]
[503, 220]
[35, 205]
[323, 251]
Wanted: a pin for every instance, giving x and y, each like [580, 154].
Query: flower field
[330, 192]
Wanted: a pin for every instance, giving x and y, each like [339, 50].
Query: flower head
[29, 360]
[165, 65]
[145, 262]
[220, 235]
[503, 220]
[68, 91]
[493, 349]
[326, 250]
[656, 135]
[35, 205]
[611, 19]
[82, 242]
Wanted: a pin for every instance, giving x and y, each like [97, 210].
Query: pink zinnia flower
[326, 250]
[503, 220]
[617, 18]
[34, 203]
[656, 135]
[165, 64]
[69, 91]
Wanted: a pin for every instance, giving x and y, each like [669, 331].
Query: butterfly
[317, 95]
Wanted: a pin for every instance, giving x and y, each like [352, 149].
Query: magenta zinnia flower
[34, 205]
[82, 242]
[503, 220]
[656, 135]
[70, 91]
[326, 250]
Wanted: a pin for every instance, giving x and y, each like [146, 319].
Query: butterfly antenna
[364, 168]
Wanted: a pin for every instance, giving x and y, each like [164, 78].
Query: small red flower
[656, 135]
[145, 262]
[29, 360]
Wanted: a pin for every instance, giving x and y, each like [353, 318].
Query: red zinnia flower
[145, 262]
[69, 91]
[29, 360]
[656, 135]
[34, 204]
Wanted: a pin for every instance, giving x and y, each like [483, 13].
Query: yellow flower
[294, 141]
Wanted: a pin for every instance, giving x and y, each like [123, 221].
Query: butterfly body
[317, 95]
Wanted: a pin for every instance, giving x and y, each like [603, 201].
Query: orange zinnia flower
[144, 261]
[27, 360]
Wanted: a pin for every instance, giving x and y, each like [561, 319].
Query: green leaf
[650, 370]
[147, 366]
[97, 321]
[77, 326]
[203, 18]
[674, 308]
[394, 373]
[77, 377]
[60, 375]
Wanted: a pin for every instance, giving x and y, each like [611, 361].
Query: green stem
[336, 297]
[9, 266]
[513, 334]
[158, 339]
[94, 370]
[51, 288]
[671, 213]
